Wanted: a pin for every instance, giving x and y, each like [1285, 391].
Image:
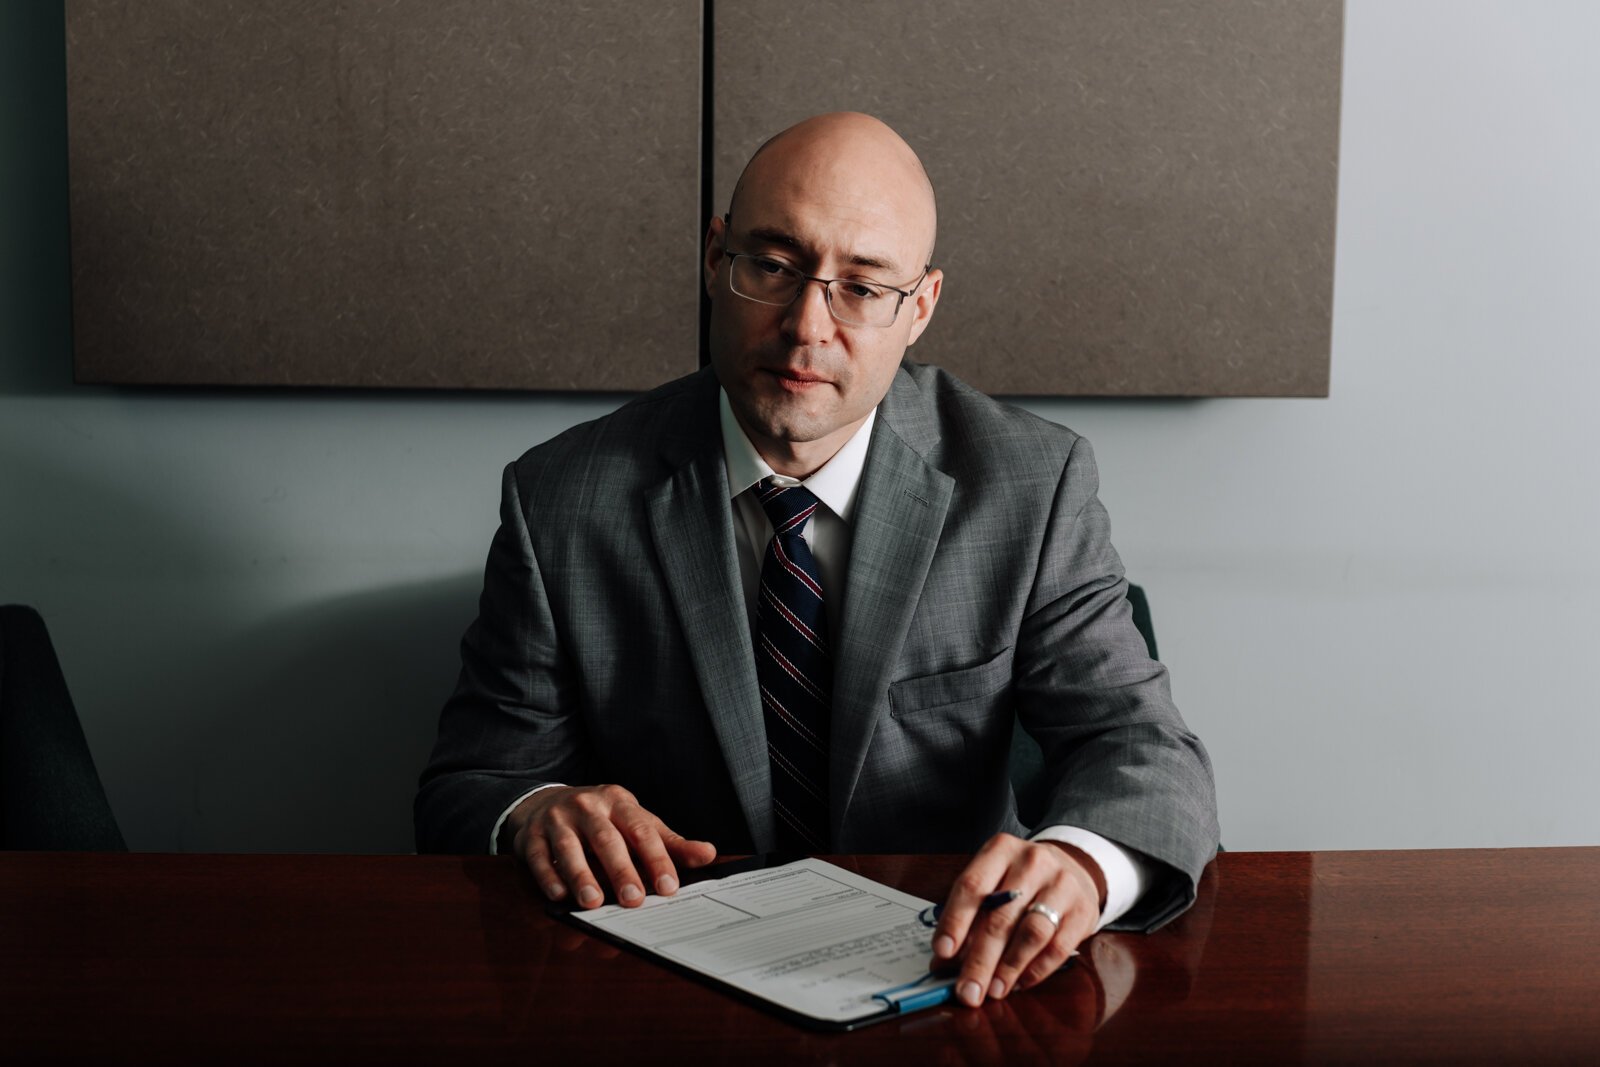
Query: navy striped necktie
[795, 669]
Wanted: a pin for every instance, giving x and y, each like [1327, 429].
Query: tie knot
[787, 506]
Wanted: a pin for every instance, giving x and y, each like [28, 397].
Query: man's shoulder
[634, 437]
[975, 428]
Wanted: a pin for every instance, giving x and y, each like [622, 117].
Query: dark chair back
[51, 798]
[1027, 761]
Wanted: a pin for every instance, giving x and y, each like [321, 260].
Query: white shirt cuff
[494, 834]
[1124, 870]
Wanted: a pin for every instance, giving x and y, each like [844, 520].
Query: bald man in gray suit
[612, 722]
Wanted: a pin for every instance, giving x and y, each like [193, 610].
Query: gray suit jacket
[612, 643]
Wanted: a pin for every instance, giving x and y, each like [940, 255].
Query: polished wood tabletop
[1475, 956]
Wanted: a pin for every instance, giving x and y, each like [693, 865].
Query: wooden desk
[1337, 957]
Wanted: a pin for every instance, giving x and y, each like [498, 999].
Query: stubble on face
[835, 188]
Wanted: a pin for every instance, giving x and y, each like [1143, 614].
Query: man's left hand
[1012, 947]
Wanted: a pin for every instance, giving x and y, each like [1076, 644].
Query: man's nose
[808, 318]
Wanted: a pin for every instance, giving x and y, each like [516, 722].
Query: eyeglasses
[852, 302]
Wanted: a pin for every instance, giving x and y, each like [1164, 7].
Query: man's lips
[796, 378]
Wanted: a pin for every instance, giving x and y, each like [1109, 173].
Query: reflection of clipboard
[815, 943]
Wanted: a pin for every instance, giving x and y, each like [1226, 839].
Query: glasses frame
[827, 288]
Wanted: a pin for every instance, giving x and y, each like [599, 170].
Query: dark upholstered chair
[1026, 758]
[51, 798]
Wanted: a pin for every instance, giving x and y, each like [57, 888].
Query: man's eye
[860, 291]
[770, 267]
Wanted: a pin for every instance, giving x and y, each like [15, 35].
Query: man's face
[800, 382]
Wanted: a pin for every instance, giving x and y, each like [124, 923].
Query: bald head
[838, 200]
[856, 160]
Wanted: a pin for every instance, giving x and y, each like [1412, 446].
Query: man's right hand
[557, 830]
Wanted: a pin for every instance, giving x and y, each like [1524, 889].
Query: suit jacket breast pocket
[976, 686]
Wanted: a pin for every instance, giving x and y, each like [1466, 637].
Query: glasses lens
[771, 281]
[764, 280]
[863, 304]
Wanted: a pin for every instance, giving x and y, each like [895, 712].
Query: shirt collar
[834, 483]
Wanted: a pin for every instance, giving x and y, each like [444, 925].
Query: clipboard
[811, 942]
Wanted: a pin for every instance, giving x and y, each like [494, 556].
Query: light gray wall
[1379, 609]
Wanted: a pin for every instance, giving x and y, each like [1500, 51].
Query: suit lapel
[899, 514]
[691, 523]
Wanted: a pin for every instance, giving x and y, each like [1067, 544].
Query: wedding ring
[1051, 915]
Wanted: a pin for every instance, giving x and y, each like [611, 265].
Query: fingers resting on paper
[1017, 944]
[579, 839]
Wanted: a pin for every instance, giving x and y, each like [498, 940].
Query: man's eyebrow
[768, 235]
[771, 236]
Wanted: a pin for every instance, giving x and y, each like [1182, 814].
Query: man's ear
[716, 237]
[923, 303]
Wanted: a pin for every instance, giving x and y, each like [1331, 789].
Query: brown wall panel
[1136, 199]
[459, 193]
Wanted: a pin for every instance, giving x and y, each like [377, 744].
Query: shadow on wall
[218, 722]
[331, 717]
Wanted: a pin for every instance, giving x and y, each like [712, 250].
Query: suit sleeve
[511, 725]
[1119, 759]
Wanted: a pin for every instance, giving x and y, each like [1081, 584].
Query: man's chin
[781, 418]
[790, 432]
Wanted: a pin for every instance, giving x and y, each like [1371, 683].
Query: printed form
[807, 936]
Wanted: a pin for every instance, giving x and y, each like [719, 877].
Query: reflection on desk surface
[1440, 956]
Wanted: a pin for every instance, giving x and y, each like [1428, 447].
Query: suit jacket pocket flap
[930, 691]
